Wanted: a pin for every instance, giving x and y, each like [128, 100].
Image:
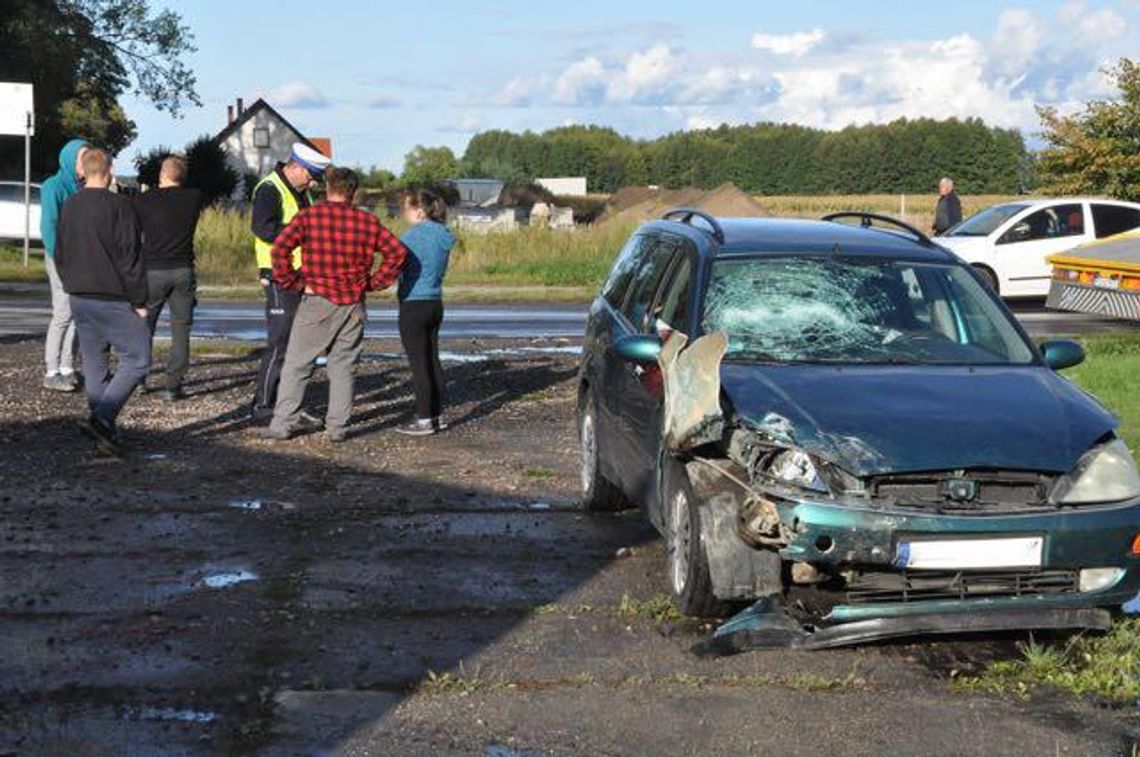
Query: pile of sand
[640, 204]
[729, 202]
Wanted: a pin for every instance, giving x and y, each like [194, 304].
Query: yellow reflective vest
[289, 208]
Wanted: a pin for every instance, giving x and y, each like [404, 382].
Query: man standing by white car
[59, 350]
[948, 213]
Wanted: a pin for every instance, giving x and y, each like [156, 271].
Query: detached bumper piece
[766, 625]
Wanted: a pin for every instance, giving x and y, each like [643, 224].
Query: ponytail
[432, 204]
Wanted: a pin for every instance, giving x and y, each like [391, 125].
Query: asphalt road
[25, 314]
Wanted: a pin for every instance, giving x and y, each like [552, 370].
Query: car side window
[673, 310]
[1114, 219]
[647, 280]
[1048, 223]
[9, 193]
[628, 261]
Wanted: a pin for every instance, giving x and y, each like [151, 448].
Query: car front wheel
[597, 491]
[989, 277]
[688, 565]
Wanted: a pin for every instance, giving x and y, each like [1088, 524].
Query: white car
[1008, 243]
[12, 210]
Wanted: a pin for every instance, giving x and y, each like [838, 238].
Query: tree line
[907, 155]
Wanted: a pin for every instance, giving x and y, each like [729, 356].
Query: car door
[635, 389]
[1026, 242]
[601, 365]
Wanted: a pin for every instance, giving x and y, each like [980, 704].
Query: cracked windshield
[844, 311]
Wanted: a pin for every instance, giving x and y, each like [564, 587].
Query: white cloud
[794, 45]
[831, 79]
[299, 95]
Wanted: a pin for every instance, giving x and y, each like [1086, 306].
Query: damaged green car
[841, 424]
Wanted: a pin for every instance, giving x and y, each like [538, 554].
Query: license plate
[970, 554]
[1103, 282]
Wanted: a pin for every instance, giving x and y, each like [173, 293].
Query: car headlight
[1104, 474]
[795, 468]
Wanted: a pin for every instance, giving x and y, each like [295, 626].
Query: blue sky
[381, 78]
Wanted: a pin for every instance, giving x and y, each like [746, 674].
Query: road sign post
[29, 124]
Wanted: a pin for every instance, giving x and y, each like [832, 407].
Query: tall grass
[525, 257]
[540, 257]
[224, 248]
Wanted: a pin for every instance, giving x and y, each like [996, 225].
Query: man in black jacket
[948, 213]
[169, 216]
[98, 256]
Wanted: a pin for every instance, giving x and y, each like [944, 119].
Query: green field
[12, 264]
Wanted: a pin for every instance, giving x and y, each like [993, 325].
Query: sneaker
[57, 382]
[173, 394]
[439, 424]
[337, 435]
[418, 427]
[309, 422]
[278, 435]
[74, 378]
[260, 414]
[104, 436]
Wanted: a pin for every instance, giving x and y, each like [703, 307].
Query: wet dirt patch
[216, 593]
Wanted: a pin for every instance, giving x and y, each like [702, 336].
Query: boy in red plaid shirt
[338, 247]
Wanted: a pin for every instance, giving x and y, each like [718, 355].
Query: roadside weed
[1107, 667]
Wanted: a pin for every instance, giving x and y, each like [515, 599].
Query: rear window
[1114, 219]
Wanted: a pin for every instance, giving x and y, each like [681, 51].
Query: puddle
[502, 750]
[256, 504]
[449, 356]
[181, 716]
[228, 578]
[538, 506]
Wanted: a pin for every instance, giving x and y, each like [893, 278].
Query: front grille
[994, 492]
[919, 586]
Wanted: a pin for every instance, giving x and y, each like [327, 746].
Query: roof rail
[866, 219]
[686, 216]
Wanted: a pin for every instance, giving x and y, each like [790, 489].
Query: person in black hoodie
[98, 256]
[169, 216]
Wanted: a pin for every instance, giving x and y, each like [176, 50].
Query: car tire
[989, 278]
[687, 563]
[598, 493]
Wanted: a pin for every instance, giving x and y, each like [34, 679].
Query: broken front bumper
[841, 538]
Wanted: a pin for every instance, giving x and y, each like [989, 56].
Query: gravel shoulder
[217, 593]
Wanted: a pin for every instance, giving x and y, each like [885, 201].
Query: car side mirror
[1019, 233]
[1062, 353]
[641, 349]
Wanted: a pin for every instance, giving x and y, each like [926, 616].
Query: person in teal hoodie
[59, 351]
[420, 293]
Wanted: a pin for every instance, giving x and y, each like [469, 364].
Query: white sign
[15, 105]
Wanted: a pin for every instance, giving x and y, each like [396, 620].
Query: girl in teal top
[420, 291]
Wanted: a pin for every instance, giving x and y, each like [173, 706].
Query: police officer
[276, 199]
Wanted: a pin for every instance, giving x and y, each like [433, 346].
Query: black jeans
[419, 331]
[176, 287]
[280, 308]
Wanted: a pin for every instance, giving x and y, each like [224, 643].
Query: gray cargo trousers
[320, 326]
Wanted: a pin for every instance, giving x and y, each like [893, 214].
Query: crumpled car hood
[873, 420]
